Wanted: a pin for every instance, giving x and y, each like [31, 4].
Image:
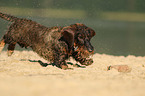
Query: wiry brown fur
[55, 44]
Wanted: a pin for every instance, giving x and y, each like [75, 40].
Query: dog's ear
[68, 37]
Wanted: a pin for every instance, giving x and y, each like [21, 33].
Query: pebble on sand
[120, 68]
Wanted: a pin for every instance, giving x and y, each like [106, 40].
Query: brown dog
[55, 44]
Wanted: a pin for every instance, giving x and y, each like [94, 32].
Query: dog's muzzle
[89, 47]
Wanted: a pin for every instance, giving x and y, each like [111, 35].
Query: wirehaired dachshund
[55, 44]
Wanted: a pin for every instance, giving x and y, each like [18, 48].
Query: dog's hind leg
[11, 48]
[2, 44]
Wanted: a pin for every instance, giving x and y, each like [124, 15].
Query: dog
[55, 44]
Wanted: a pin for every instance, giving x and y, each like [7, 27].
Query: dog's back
[26, 33]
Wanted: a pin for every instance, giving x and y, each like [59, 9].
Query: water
[112, 37]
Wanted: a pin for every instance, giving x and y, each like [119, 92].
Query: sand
[22, 75]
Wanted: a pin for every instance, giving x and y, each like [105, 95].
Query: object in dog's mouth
[55, 44]
[120, 68]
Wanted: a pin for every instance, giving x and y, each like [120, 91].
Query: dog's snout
[89, 47]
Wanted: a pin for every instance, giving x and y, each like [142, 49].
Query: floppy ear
[68, 37]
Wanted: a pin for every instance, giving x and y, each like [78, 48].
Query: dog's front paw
[65, 67]
[87, 62]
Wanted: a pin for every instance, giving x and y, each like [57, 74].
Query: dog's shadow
[52, 64]
[41, 63]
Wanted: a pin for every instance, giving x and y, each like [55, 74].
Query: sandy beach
[22, 75]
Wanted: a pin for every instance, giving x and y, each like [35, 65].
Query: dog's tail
[8, 17]
[2, 44]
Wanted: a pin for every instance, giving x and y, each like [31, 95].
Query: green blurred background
[119, 24]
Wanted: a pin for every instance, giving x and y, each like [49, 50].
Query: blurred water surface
[119, 24]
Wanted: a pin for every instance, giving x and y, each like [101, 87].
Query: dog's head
[78, 38]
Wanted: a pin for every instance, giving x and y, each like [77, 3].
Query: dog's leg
[60, 61]
[61, 64]
[11, 48]
[2, 44]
